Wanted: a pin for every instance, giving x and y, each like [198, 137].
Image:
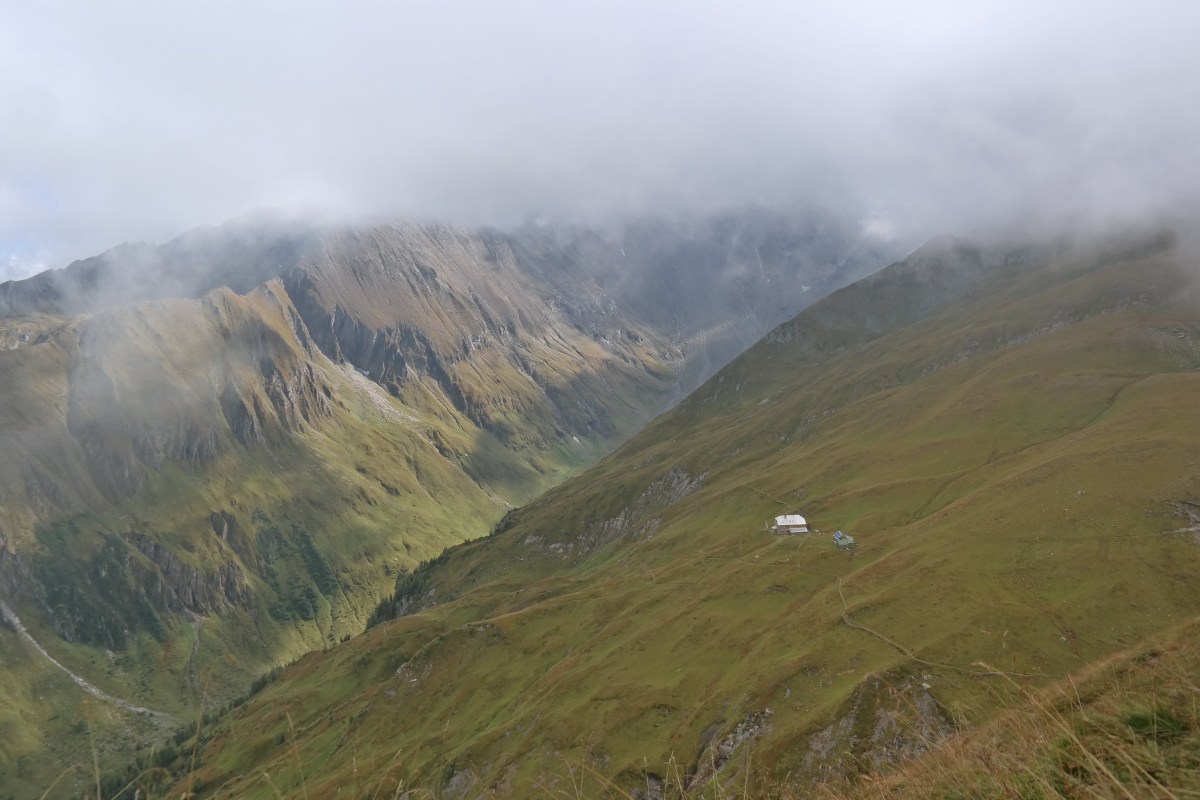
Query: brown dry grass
[1128, 727]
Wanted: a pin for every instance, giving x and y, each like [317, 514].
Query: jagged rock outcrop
[889, 719]
[715, 754]
[173, 585]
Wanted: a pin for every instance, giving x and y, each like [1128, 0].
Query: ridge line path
[986, 672]
[11, 617]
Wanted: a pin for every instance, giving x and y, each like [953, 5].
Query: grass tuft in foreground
[1127, 728]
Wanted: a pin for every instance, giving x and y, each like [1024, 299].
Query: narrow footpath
[11, 617]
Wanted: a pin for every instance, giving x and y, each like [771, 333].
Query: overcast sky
[137, 120]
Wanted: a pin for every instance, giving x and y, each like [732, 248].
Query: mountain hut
[790, 523]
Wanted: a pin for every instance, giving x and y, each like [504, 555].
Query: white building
[790, 523]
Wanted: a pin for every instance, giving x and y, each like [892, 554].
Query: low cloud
[14, 266]
[137, 120]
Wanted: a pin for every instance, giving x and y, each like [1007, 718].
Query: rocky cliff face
[174, 585]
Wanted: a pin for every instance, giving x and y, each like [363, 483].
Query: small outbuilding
[790, 523]
[843, 540]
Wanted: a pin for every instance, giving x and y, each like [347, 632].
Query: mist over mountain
[711, 284]
[220, 450]
[139, 121]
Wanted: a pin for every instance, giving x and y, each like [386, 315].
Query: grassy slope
[1007, 466]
